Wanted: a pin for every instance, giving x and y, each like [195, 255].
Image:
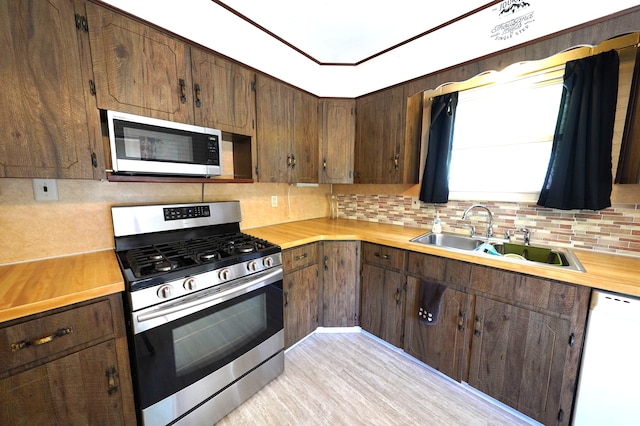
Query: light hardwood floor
[353, 379]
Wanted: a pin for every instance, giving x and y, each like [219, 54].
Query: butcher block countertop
[611, 272]
[34, 287]
[38, 286]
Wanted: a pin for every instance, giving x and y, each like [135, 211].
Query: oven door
[186, 351]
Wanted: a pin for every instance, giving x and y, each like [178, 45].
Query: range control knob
[252, 266]
[165, 291]
[224, 274]
[267, 261]
[190, 283]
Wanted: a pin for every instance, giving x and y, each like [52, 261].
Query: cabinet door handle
[477, 331]
[324, 164]
[288, 160]
[196, 89]
[398, 296]
[41, 341]
[111, 380]
[383, 256]
[293, 161]
[286, 298]
[183, 90]
[396, 162]
[326, 263]
[462, 316]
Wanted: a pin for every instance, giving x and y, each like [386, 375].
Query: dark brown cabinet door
[287, 133]
[50, 127]
[337, 123]
[379, 137]
[340, 283]
[79, 389]
[441, 345]
[300, 304]
[222, 94]
[382, 303]
[137, 69]
[518, 357]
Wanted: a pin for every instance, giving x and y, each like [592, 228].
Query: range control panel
[189, 212]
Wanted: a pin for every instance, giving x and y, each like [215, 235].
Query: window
[503, 136]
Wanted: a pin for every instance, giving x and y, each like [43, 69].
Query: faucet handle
[473, 229]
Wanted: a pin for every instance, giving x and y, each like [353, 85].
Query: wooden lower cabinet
[442, 345]
[515, 337]
[67, 367]
[518, 357]
[340, 286]
[300, 292]
[382, 294]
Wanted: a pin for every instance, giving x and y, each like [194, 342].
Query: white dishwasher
[610, 375]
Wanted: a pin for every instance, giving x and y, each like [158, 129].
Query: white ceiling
[347, 48]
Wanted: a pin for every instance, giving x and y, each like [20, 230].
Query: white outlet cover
[45, 189]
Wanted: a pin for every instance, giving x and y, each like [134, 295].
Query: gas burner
[165, 266]
[245, 248]
[209, 256]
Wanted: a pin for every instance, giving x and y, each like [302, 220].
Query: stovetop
[158, 263]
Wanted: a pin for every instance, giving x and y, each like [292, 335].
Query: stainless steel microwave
[144, 145]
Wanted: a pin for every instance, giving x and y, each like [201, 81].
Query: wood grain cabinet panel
[340, 285]
[78, 377]
[300, 292]
[138, 69]
[287, 133]
[223, 94]
[337, 128]
[49, 127]
[441, 345]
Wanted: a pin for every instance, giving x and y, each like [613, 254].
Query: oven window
[230, 329]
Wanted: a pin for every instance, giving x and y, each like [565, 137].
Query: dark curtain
[435, 179]
[579, 174]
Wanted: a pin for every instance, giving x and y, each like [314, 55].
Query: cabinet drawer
[299, 257]
[383, 256]
[39, 338]
[426, 266]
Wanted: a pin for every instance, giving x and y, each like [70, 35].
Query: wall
[612, 230]
[81, 220]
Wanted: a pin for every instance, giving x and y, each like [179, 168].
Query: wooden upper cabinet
[337, 127]
[138, 69]
[287, 133]
[50, 127]
[223, 94]
[380, 150]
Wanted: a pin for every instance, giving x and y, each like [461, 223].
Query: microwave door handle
[252, 284]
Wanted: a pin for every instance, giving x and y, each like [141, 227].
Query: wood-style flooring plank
[353, 379]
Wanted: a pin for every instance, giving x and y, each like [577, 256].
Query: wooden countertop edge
[37, 286]
[343, 230]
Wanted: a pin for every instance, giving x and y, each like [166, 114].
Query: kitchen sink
[449, 241]
[553, 256]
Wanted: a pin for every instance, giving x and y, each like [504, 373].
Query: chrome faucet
[490, 228]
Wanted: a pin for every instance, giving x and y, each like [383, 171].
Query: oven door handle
[188, 307]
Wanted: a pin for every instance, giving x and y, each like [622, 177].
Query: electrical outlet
[45, 189]
[415, 203]
[274, 201]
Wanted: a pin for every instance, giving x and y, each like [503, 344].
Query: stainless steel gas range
[205, 311]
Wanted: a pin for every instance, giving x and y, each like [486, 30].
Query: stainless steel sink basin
[448, 241]
[551, 256]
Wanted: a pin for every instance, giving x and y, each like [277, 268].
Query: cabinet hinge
[257, 171]
[82, 23]
[253, 86]
[560, 415]
[94, 160]
[92, 87]
[572, 339]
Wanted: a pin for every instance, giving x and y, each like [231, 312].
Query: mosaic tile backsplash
[612, 230]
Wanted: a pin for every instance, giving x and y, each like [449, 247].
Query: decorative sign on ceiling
[514, 17]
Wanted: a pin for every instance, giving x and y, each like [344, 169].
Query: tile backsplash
[612, 230]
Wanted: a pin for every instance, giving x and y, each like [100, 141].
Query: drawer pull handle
[302, 256]
[41, 341]
[384, 256]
